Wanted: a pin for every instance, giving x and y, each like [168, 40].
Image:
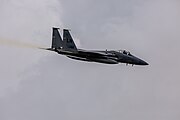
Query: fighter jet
[67, 47]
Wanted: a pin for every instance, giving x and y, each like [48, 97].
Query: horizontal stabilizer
[50, 49]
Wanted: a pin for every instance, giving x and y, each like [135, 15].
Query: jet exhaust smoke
[16, 43]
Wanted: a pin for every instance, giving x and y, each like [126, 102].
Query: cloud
[24, 23]
[55, 87]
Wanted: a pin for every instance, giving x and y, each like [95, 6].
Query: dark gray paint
[68, 48]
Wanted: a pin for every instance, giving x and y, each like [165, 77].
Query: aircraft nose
[142, 62]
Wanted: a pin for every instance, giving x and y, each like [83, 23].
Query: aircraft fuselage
[108, 57]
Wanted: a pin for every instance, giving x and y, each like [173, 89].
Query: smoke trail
[15, 43]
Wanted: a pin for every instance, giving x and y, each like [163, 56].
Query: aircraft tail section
[68, 41]
[56, 39]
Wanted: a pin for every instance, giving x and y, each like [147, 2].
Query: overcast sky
[42, 85]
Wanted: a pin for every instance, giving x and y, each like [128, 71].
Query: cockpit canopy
[124, 52]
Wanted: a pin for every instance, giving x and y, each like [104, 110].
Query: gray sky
[42, 85]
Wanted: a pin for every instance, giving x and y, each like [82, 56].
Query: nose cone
[142, 62]
[138, 61]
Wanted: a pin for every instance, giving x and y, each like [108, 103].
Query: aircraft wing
[96, 53]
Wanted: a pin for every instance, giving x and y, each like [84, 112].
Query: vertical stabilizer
[68, 41]
[56, 39]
